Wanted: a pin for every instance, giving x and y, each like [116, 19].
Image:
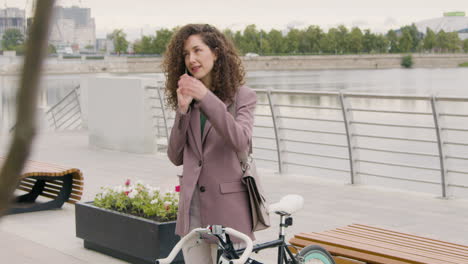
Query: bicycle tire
[314, 252]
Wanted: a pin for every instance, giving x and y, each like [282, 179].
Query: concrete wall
[262, 63]
[118, 116]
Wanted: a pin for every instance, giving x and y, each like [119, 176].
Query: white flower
[155, 201]
[167, 203]
[139, 182]
[133, 193]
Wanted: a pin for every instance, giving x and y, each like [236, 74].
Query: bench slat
[378, 245]
[418, 238]
[370, 248]
[396, 247]
[349, 252]
[408, 242]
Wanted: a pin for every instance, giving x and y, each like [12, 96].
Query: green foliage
[160, 42]
[429, 40]
[12, 39]
[313, 40]
[51, 49]
[465, 64]
[354, 40]
[140, 200]
[118, 37]
[407, 61]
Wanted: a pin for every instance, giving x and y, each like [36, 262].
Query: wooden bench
[59, 183]
[375, 245]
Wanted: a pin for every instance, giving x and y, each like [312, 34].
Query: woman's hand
[183, 101]
[192, 87]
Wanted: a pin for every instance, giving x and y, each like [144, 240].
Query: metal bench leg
[32, 195]
[61, 198]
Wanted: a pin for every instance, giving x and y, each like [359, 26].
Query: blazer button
[199, 163]
[202, 189]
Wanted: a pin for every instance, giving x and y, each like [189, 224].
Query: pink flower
[127, 192]
[177, 188]
[127, 182]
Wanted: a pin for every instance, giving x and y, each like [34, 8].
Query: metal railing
[66, 113]
[402, 141]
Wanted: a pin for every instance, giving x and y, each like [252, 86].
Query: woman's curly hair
[227, 74]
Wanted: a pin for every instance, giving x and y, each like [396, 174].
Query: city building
[450, 22]
[12, 18]
[73, 27]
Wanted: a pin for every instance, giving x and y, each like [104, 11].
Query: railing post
[440, 144]
[276, 129]
[347, 118]
[78, 102]
[161, 101]
[53, 117]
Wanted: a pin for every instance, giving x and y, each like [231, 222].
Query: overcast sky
[138, 17]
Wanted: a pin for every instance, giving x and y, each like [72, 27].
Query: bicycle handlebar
[242, 259]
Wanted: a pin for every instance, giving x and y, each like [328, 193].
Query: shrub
[140, 200]
[407, 61]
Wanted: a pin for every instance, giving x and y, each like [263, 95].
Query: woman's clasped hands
[189, 88]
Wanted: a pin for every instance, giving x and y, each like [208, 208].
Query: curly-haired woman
[204, 76]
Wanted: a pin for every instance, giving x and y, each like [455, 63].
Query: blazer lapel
[208, 127]
[195, 129]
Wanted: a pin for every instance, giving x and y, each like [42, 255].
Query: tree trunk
[25, 130]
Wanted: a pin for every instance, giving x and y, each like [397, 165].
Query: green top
[202, 122]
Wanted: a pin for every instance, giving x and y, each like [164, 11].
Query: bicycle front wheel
[314, 254]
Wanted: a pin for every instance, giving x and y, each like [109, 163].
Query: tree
[277, 42]
[416, 36]
[250, 39]
[465, 45]
[406, 41]
[382, 44]
[144, 46]
[118, 37]
[354, 40]
[293, 39]
[314, 35]
[442, 41]
[429, 40]
[341, 39]
[393, 41]
[160, 42]
[454, 42]
[27, 95]
[330, 43]
[12, 38]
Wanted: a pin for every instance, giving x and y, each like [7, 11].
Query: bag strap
[243, 156]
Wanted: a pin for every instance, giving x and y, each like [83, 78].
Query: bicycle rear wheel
[314, 254]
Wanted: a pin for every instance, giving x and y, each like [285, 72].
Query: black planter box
[130, 238]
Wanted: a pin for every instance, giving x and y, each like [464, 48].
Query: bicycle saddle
[289, 204]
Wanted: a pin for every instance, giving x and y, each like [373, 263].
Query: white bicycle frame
[212, 230]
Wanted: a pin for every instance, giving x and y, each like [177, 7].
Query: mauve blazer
[211, 161]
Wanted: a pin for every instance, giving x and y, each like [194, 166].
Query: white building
[73, 27]
[450, 22]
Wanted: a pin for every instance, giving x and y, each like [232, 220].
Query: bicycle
[228, 255]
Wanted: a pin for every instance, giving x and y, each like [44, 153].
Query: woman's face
[199, 59]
